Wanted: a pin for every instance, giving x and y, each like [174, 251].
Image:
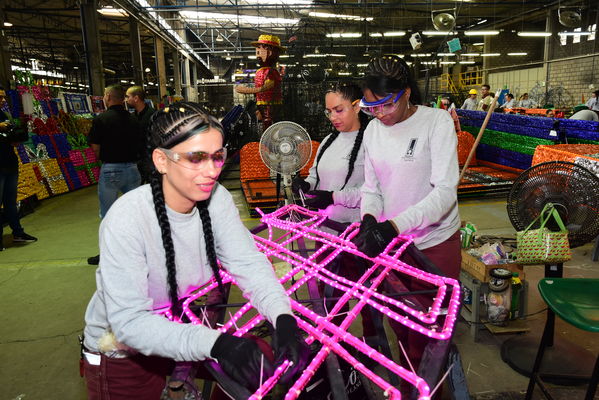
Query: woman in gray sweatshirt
[158, 244]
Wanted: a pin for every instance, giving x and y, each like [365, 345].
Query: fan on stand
[574, 192]
[285, 148]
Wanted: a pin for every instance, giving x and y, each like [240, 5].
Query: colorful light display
[288, 228]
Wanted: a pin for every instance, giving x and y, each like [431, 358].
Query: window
[593, 30]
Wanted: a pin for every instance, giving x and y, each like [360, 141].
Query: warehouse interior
[58, 57]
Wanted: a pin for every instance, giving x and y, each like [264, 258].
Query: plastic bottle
[516, 288]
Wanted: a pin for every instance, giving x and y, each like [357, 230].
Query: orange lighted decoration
[565, 152]
[267, 82]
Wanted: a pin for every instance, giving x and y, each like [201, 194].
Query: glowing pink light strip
[270, 382]
[382, 264]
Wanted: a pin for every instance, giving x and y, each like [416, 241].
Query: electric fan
[443, 21]
[285, 148]
[574, 191]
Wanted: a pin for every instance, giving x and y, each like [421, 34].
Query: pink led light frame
[321, 328]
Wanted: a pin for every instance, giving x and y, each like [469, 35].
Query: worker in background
[10, 136]
[509, 102]
[136, 98]
[525, 102]
[593, 102]
[486, 100]
[471, 102]
[115, 138]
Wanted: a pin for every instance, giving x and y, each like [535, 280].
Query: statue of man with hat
[267, 83]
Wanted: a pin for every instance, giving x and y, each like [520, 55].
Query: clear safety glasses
[197, 159]
[339, 110]
[382, 106]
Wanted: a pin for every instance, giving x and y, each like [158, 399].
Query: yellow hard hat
[472, 91]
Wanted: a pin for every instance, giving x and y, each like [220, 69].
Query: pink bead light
[433, 323]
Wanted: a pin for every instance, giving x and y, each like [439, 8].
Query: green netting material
[508, 141]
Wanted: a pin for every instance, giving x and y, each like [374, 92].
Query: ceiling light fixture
[420, 54]
[394, 33]
[344, 35]
[517, 54]
[446, 54]
[113, 12]
[7, 24]
[534, 34]
[438, 33]
[471, 54]
[339, 16]
[490, 54]
[575, 33]
[481, 33]
[467, 62]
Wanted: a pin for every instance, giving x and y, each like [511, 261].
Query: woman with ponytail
[411, 177]
[334, 181]
[161, 241]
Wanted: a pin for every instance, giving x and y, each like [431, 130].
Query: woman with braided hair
[410, 176]
[334, 181]
[161, 241]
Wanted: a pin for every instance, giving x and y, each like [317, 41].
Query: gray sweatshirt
[332, 170]
[411, 175]
[131, 280]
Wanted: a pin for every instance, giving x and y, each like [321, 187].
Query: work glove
[288, 344]
[319, 199]
[373, 236]
[299, 183]
[242, 360]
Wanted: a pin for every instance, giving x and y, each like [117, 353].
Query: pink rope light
[320, 327]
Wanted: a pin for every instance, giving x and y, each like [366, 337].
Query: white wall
[517, 81]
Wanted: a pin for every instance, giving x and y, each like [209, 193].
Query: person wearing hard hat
[471, 102]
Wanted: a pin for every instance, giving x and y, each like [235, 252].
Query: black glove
[368, 221]
[298, 183]
[319, 199]
[241, 359]
[373, 238]
[288, 344]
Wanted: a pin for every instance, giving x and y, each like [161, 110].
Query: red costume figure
[267, 83]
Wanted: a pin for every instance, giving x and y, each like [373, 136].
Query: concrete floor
[45, 287]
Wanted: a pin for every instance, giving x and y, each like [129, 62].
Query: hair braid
[356, 148]
[390, 74]
[202, 207]
[167, 241]
[324, 148]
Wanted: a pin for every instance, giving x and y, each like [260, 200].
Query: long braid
[324, 148]
[202, 207]
[169, 127]
[167, 241]
[356, 148]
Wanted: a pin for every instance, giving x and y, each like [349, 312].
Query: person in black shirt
[136, 98]
[10, 136]
[115, 137]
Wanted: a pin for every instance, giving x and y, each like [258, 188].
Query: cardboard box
[480, 270]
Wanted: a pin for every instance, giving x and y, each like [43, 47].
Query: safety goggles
[382, 106]
[338, 110]
[197, 159]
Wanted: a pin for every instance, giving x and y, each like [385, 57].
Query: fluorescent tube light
[467, 62]
[481, 33]
[339, 16]
[446, 54]
[575, 33]
[534, 34]
[517, 54]
[113, 12]
[438, 33]
[394, 33]
[471, 54]
[490, 54]
[344, 35]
